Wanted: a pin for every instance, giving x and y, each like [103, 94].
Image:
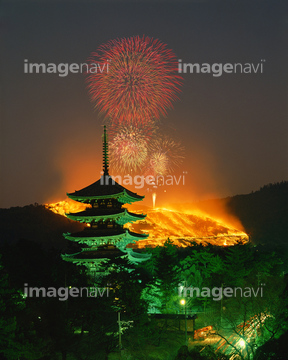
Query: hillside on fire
[263, 215]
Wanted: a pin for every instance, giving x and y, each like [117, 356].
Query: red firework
[139, 83]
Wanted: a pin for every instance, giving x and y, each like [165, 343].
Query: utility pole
[119, 323]
[183, 302]
[186, 339]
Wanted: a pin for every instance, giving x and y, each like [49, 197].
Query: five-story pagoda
[104, 236]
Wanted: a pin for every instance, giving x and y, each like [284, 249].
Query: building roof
[91, 256]
[89, 233]
[98, 238]
[120, 216]
[97, 256]
[105, 188]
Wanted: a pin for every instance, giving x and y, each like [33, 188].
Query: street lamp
[242, 343]
[183, 303]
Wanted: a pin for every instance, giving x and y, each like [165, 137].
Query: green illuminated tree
[198, 267]
[163, 266]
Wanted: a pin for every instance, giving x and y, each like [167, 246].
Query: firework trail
[141, 84]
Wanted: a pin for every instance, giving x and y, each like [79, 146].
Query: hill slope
[263, 213]
[36, 223]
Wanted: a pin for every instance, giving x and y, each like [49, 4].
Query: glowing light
[242, 343]
[154, 200]
[182, 302]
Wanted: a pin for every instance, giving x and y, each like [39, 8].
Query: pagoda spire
[105, 154]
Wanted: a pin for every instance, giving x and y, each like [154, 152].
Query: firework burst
[142, 81]
[128, 148]
[165, 154]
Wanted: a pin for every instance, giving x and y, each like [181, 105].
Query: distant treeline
[275, 186]
[264, 213]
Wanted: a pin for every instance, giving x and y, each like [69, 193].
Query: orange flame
[182, 227]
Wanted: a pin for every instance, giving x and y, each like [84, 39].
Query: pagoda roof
[105, 188]
[137, 257]
[97, 256]
[121, 216]
[97, 238]
[89, 233]
[98, 212]
[93, 255]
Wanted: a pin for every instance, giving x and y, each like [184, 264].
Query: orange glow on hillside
[66, 206]
[185, 228]
[182, 227]
[216, 209]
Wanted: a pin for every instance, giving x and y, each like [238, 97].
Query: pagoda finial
[105, 153]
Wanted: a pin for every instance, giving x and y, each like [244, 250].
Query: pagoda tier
[105, 189]
[119, 216]
[94, 258]
[97, 238]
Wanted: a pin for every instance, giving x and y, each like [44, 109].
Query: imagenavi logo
[63, 69]
[217, 69]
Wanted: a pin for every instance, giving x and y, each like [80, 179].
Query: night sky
[233, 127]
